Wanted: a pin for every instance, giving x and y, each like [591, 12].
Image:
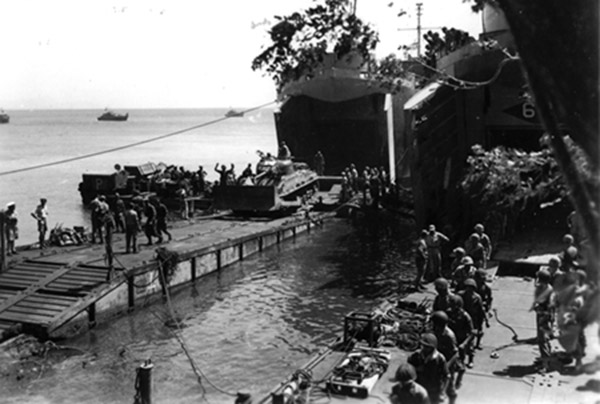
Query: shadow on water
[376, 261]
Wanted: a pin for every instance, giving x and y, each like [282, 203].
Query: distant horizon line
[125, 108]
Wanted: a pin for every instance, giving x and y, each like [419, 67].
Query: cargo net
[167, 264]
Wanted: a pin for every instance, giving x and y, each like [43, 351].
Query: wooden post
[218, 259]
[130, 293]
[143, 383]
[260, 243]
[92, 315]
[241, 250]
[193, 268]
[2, 241]
[278, 236]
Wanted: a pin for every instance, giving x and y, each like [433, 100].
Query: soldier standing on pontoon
[41, 215]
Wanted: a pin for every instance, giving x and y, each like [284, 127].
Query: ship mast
[419, 13]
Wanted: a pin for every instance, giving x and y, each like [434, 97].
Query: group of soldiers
[126, 217]
[10, 222]
[373, 183]
[563, 298]
[460, 310]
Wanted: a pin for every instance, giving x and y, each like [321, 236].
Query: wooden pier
[42, 291]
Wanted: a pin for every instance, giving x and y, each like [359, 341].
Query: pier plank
[25, 318]
[29, 309]
[31, 288]
[55, 286]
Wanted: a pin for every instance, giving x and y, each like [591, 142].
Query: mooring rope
[179, 335]
[515, 336]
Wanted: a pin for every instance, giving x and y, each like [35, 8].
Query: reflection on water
[245, 327]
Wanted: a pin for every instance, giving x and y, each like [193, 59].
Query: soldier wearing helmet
[445, 337]
[473, 305]
[483, 289]
[431, 368]
[461, 324]
[407, 390]
[459, 320]
[465, 270]
[542, 305]
[485, 242]
[475, 250]
[447, 347]
[457, 255]
[442, 300]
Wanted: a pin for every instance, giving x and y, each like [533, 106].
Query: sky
[63, 54]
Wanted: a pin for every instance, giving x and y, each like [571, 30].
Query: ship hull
[346, 132]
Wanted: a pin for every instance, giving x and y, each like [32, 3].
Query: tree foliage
[437, 46]
[300, 40]
[510, 182]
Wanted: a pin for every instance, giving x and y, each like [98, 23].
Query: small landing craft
[232, 113]
[113, 116]
[4, 117]
[360, 364]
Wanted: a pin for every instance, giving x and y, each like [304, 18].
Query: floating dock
[43, 292]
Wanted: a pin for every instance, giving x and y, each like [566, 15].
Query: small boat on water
[232, 113]
[113, 116]
[4, 117]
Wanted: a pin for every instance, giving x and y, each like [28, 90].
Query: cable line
[128, 146]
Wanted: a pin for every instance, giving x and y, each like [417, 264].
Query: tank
[280, 186]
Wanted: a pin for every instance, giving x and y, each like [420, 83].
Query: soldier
[483, 289]
[434, 242]
[109, 226]
[150, 225]
[420, 259]
[543, 314]
[442, 300]
[460, 322]
[161, 221]
[319, 163]
[11, 229]
[447, 347]
[485, 242]
[458, 253]
[132, 227]
[41, 215]
[431, 368]
[466, 270]
[475, 250]
[284, 152]
[407, 390]
[119, 212]
[474, 306]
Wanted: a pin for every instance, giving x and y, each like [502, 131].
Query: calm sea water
[247, 326]
[38, 137]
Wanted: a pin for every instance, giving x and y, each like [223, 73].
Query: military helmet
[439, 317]
[470, 282]
[405, 372]
[429, 339]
